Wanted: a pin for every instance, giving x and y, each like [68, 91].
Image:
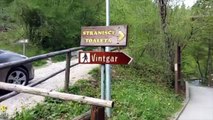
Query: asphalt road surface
[200, 106]
[21, 100]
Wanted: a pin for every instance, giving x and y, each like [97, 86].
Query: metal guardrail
[97, 112]
[41, 57]
[6, 96]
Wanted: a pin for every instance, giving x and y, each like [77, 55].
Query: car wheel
[18, 76]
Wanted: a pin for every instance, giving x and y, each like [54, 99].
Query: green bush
[135, 99]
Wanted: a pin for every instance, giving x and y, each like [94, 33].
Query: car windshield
[9, 56]
[9, 59]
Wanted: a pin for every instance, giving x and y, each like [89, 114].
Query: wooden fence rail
[4, 97]
[55, 94]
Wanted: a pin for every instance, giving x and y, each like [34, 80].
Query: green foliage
[59, 58]
[200, 48]
[5, 2]
[145, 43]
[95, 73]
[142, 100]
[56, 25]
[58, 109]
[39, 63]
[52, 111]
[135, 99]
[138, 88]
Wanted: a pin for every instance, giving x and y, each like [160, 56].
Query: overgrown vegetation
[155, 29]
[134, 99]
[49, 25]
[55, 109]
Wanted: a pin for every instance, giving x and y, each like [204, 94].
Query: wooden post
[84, 116]
[211, 79]
[187, 90]
[97, 113]
[177, 69]
[67, 71]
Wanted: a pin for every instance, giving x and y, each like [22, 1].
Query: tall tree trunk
[209, 62]
[199, 68]
[169, 44]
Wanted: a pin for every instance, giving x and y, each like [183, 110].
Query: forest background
[156, 28]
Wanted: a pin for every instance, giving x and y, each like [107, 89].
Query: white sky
[189, 3]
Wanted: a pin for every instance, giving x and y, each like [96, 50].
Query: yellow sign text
[98, 40]
[101, 32]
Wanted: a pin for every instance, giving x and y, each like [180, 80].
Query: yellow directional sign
[121, 35]
[104, 35]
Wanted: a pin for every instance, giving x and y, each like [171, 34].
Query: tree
[4, 17]
[55, 25]
[202, 45]
[169, 43]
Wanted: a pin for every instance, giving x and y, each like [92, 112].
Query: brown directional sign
[91, 57]
[104, 35]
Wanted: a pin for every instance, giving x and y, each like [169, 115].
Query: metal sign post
[103, 81]
[23, 42]
[107, 66]
[24, 48]
[104, 36]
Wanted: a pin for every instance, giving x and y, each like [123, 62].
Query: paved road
[200, 106]
[19, 101]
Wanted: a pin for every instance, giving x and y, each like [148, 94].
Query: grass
[39, 63]
[55, 109]
[9, 41]
[59, 58]
[134, 99]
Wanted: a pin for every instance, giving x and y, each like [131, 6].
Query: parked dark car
[18, 74]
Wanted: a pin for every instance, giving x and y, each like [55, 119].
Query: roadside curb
[182, 109]
[185, 103]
